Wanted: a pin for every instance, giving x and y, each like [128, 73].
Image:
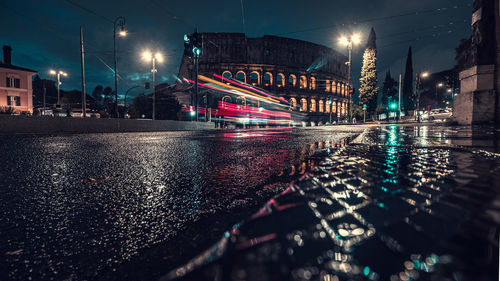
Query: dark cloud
[45, 34]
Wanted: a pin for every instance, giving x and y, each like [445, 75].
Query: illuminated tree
[368, 91]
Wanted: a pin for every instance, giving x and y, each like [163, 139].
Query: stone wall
[49, 125]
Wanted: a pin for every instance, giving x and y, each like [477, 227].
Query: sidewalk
[399, 203]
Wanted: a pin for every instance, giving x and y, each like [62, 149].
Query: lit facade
[16, 90]
[311, 76]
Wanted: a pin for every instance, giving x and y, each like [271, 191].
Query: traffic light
[192, 45]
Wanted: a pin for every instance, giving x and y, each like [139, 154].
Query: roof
[10, 66]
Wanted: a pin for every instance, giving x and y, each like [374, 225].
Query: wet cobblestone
[400, 203]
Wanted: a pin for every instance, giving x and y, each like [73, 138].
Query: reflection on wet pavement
[401, 203]
[75, 206]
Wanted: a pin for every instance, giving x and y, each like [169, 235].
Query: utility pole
[84, 98]
[399, 99]
[154, 88]
[196, 86]
[349, 46]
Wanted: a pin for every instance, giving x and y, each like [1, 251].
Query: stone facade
[478, 101]
[312, 77]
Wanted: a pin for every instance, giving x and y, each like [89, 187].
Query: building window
[321, 105]
[13, 101]
[292, 79]
[334, 87]
[267, 52]
[312, 84]
[303, 105]
[255, 78]
[327, 86]
[303, 82]
[227, 74]
[280, 80]
[12, 82]
[268, 79]
[313, 105]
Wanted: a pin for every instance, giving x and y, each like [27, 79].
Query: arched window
[280, 80]
[227, 74]
[339, 108]
[327, 106]
[254, 78]
[303, 82]
[303, 104]
[327, 86]
[292, 80]
[268, 79]
[293, 103]
[338, 88]
[313, 83]
[334, 107]
[334, 87]
[240, 75]
[321, 105]
[343, 90]
[313, 105]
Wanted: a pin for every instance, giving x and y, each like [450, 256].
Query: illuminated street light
[119, 21]
[58, 73]
[148, 56]
[438, 85]
[348, 41]
[424, 74]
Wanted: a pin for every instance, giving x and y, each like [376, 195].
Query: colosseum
[312, 77]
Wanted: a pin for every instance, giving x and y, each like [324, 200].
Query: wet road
[79, 207]
[398, 203]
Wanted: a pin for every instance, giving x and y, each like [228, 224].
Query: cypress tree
[408, 103]
[368, 90]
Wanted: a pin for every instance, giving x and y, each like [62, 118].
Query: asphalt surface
[397, 203]
[102, 206]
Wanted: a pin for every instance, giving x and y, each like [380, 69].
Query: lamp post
[438, 85]
[417, 92]
[348, 41]
[58, 73]
[331, 109]
[119, 21]
[148, 56]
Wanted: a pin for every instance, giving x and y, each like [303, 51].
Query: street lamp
[148, 56]
[119, 21]
[420, 75]
[58, 73]
[348, 42]
[438, 85]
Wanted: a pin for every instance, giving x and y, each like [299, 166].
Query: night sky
[45, 34]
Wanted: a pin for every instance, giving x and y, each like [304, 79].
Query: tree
[408, 103]
[97, 93]
[141, 107]
[38, 91]
[389, 90]
[368, 90]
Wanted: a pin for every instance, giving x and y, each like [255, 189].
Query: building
[479, 98]
[16, 90]
[312, 77]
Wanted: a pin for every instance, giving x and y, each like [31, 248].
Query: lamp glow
[159, 57]
[343, 40]
[424, 74]
[356, 39]
[147, 55]
[53, 72]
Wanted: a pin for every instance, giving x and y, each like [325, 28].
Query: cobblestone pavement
[399, 203]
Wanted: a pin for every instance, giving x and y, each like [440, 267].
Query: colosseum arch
[334, 87]
[292, 80]
[293, 103]
[227, 74]
[240, 75]
[321, 106]
[268, 79]
[303, 82]
[280, 80]
[313, 105]
[254, 78]
[338, 88]
[303, 105]
[327, 86]
[313, 83]
[327, 106]
[334, 107]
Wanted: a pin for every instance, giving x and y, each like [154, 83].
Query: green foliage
[368, 90]
[389, 89]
